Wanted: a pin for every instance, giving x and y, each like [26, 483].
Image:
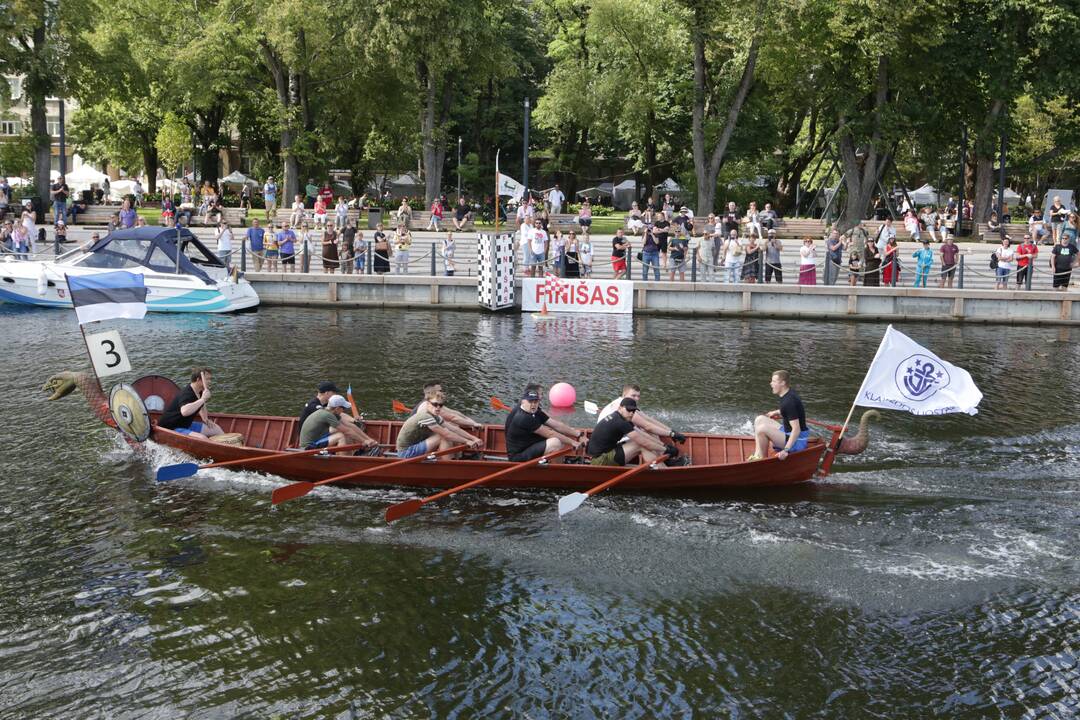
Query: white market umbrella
[237, 178]
[82, 177]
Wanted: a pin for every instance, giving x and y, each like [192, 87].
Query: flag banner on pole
[906, 376]
[108, 295]
[510, 187]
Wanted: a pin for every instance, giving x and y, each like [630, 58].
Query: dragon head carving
[62, 384]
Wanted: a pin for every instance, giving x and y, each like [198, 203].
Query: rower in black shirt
[325, 391]
[615, 440]
[187, 413]
[530, 433]
[791, 435]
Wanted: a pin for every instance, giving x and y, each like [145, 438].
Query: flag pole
[855, 402]
[497, 151]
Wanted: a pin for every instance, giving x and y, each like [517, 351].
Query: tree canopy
[795, 94]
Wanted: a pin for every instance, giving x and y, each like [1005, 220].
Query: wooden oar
[400, 407]
[182, 470]
[300, 489]
[571, 502]
[828, 426]
[404, 509]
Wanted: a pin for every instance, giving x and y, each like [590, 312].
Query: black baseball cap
[327, 386]
[628, 403]
[531, 395]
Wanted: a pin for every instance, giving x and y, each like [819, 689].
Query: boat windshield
[153, 249]
[118, 254]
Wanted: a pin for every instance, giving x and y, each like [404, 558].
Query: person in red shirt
[1025, 254]
[436, 215]
[326, 194]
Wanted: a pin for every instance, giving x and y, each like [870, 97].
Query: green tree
[722, 41]
[173, 142]
[620, 87]
[439, 48]
[17, 155]
[42, 40]
[121, 104]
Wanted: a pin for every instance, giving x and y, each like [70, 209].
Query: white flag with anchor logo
[906, 376]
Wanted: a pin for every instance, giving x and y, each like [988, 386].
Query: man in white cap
[326, 428]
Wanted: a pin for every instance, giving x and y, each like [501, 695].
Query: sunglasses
[436, 404]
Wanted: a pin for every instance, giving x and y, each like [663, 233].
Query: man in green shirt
[426, 431]
[326, 428]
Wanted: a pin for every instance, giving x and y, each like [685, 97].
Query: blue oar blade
[174, 472]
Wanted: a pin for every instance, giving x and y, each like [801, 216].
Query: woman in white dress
[634, 223]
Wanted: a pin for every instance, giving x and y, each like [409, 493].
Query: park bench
[1015, 231]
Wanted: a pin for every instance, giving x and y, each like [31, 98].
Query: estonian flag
[105, 296]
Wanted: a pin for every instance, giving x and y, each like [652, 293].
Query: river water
[936, 575]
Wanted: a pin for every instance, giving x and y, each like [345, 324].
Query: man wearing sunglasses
[426, 431]
[530, 433]
[448, 415]
[615, 440]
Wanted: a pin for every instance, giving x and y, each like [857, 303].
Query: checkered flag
[552, 284]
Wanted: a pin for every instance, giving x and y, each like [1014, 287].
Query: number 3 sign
[107, 353]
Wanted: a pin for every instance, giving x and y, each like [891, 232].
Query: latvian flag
[105, 296]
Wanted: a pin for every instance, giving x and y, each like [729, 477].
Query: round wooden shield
[129, 412]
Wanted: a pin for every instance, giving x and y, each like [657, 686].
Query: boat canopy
[153, 248]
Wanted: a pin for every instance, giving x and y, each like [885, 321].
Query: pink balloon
[562, 395]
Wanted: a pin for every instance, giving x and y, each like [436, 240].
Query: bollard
[305, 266]
[56, 244]
[370, 259]
[243, 255]
[562, 262]
[895, 270]
[629, 274]
[828, 270]
[1030, 272]
[432, 259]
[693, 268]
[960, 273]
[761, 266]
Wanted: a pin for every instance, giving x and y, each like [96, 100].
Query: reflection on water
[935, 575]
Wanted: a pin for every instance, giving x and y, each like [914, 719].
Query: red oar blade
[290, 492]
[498, 404]
[402, 509]
[174, 472]
[400, 407]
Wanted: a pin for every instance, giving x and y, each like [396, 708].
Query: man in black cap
[326, 390]
[530, 433]
[615, 440]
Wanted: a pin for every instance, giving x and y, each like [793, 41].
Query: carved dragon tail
[855, 445]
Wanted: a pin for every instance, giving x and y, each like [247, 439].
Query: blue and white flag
[105, 296]
[906, 376]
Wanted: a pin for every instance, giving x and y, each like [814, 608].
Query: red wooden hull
[718, 461]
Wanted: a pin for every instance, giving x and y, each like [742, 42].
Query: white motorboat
[191, 280]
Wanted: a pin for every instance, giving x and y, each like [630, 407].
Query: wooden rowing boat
[718, 461]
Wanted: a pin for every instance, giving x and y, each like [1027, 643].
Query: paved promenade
[977, 273]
